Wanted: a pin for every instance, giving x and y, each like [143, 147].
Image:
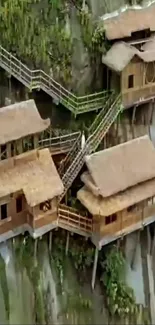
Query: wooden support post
[152, 246]
[133, 260]
[134, 114]
[50, 241]
[94, 268]
[35, 247]
[148, 239]
[67, 243]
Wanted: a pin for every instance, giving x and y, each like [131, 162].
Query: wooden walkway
[60, 144]
[70, 219]
[38, 79]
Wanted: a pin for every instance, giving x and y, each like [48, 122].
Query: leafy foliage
[34, 31]
[25, 257]
[120, 297]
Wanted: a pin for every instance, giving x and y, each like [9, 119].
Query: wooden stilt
[134, 114]
[153, 246]
[133, 260]
[148, 240]
[67, 243]
[35, 247]
[94, 268]
[50, 241]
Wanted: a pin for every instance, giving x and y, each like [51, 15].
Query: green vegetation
[120, 297]
[4, 285]
[25, 258]
[36, 32]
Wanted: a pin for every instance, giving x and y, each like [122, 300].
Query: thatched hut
[29, 188]
[131, 72]
[130, 23]
[20, 123]
[119, 188]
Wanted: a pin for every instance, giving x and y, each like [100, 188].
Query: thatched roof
[118, 168]
[32, 172]
[129, 21]
[20, 120]
[107, 206]
[121, 53]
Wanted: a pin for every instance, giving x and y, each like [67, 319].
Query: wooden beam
[67, 243]
[35, 248]
[133, 260]
[148, 239]
[50, 241]
[134, 114]
[94, 268]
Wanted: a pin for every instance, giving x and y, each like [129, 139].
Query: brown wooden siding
[140, 90]
[34, 217]
[124, 220]
[44, 220]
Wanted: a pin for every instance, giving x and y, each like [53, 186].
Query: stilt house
[29, 188]
[129, 64]
[20, 127]
[119, 189]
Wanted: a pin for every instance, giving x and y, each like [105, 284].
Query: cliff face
[61, 37]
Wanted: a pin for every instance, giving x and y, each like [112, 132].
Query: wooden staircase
[38, 79]
[70, 219]
[97, 131]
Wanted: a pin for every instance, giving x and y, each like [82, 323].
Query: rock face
[85, 74]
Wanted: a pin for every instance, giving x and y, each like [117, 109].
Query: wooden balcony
[70, 219]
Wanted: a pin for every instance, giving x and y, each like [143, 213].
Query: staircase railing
[70, 156]
[38, 79]
[70, 217]
[92, 143]
[60, 143]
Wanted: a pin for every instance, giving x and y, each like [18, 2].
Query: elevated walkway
[38, 79]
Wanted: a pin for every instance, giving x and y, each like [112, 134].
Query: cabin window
[131, 81]
[131, 208]
[19, 204]
[4, 212]
[3, 152]
[45, 206]
[110, 219]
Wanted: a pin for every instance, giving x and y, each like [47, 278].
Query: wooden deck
[70, 219]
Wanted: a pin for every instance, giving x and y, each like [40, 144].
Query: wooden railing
[71, 218]
[109, 114]
[59, 144]
[38, 79]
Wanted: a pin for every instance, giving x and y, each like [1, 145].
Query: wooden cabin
[20, 127]
[29, 188]
[119, 189]
[131, 72]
